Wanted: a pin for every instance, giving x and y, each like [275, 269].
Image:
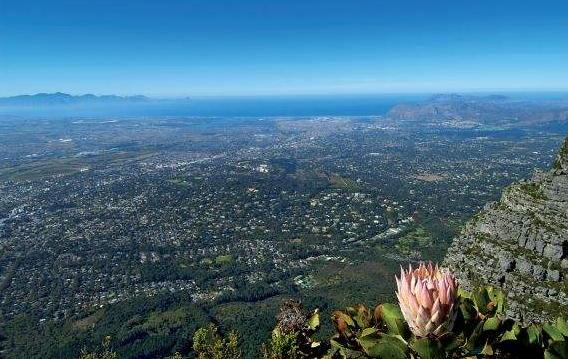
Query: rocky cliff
[520, 244]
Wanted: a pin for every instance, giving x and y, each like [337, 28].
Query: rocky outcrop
[521, 245]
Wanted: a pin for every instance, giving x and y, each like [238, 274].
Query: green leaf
[500, 298]
[557, 350]
[361, 316]
[562, 326]
[388, 347]
[451, 342]
[511, 334]
[491, 324]
[489, 300]
[496, 300]
[553, 333]
[473, 342]
[463, 293]
[428, 348]
[534, 334]
[508, 335]
[481, 300]
[368, 338]
[344, 352]
[487, 349]
[314, 321]
[467, 308]
[368, 331]
[391, 316]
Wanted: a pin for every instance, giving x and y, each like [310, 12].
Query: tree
[208, 344]
[106, 353]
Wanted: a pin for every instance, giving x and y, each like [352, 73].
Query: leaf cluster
[480, 330]
[209, 344]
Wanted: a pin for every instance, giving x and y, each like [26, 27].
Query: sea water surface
[257, 106]
[261, 106]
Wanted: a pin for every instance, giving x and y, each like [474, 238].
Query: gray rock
[506, 263]
[539, 246]
[530, 243]
[505, 231]
[539, 273]
[524, 266]
[553, 251]
[553, 275]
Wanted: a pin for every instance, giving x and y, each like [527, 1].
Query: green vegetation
[292, 336]
[141, 328]
[224, 259]
[281, 346]
[417, 238]
[208, 344]
[533, 190]
[427, 237]
[541, 306]
[163, 322]
[253, 320]
[338, 181]
[106, 353]
[479, 330]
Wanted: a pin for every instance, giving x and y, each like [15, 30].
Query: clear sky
[250, 47]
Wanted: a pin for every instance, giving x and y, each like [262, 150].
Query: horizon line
[300, 94]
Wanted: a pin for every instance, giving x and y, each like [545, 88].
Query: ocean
[267, 106]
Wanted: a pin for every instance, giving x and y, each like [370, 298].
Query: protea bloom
[426, 296]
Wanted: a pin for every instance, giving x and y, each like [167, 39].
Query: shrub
[473, 326]
[208, 344]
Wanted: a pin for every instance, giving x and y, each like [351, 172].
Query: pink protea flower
[426, 296]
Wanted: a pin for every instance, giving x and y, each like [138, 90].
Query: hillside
[520, 243]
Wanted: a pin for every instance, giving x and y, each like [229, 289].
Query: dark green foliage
[141, 328]
[208, 344]
[480, 331]
[533, 190]
[106, 352]
[362, 333]
[280, 346]
[292, 337]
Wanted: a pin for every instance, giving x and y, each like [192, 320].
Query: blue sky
[255, 47]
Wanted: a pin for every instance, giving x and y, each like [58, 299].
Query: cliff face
[521, 245]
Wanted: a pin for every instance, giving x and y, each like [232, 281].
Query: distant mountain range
[59, 98]
[452, 97]
[466, 111]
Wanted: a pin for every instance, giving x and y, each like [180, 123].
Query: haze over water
[251, 106]
[230, 106]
